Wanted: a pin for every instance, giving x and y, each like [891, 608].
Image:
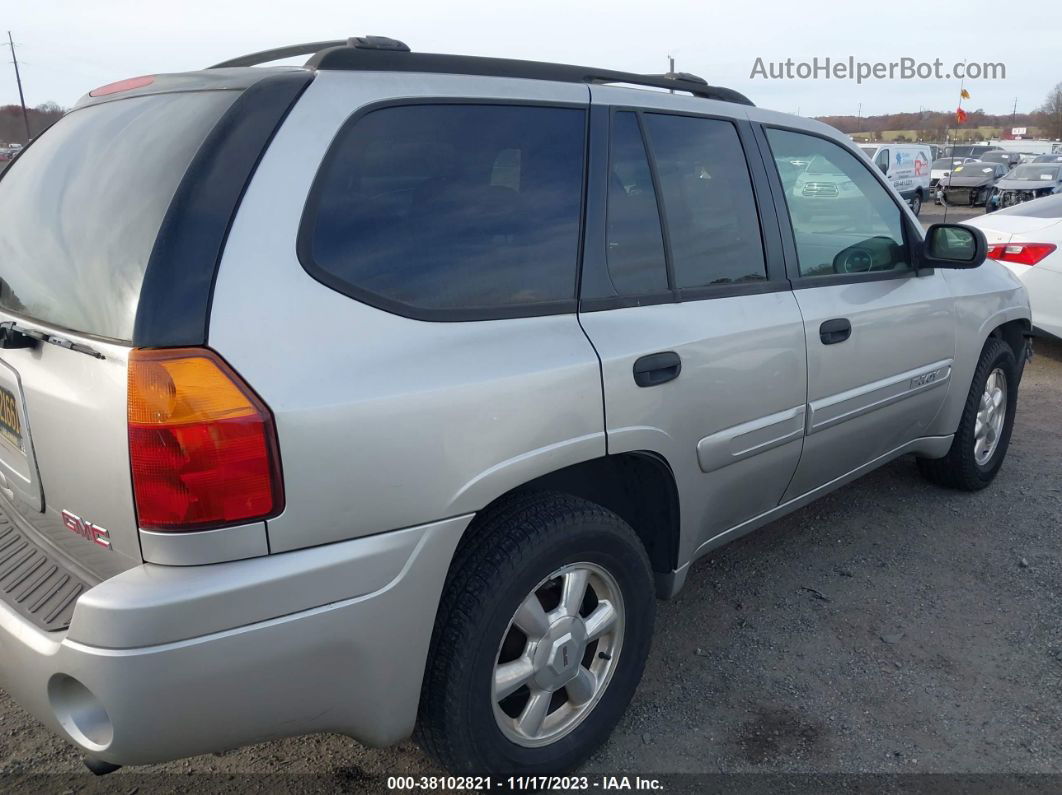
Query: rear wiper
[13, 335]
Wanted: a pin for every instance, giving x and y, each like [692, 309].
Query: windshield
[81, 207]
[947, 162]
[1048, 159]
[1045, 172]
[974, 169]
[870, 150]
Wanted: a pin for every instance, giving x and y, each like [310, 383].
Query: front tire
[981, 442]
[540, 641]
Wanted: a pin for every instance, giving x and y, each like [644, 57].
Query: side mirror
[954, 246]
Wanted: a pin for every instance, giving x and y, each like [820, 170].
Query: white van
[907, 167]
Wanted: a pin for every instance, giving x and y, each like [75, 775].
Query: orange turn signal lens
[202, 444]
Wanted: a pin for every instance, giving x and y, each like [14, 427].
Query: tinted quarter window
[635, 245]
[467, 208]
[844, 220]
[712, 222]
[81, 208]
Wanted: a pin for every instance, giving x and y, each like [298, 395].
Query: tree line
[928, 125]
[13, 128]
[934, 124]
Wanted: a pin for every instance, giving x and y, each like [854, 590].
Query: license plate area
[10, 420]
[19, 482]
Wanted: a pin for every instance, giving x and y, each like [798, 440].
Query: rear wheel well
[638, 487]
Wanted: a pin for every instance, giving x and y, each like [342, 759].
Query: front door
[880, 336]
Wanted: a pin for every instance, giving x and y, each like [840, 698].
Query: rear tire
[916, 204]
[981, 442]
[511, 612]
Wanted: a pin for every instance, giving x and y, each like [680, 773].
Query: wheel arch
[638, 486]
[1014, 333]
[1012, 325]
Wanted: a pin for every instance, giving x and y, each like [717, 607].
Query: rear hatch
[80, 211]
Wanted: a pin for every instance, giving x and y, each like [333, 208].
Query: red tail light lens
[202, 445]
[1021, 253]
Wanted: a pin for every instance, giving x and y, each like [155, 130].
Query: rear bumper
[166, 662]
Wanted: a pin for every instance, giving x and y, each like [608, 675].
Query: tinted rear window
[80, 209]
[467, 210]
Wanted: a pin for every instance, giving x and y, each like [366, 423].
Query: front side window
[844, 220]
[712, 222]
[451, 208]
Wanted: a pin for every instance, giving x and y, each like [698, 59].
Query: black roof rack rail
[381, 54]
[292, 50]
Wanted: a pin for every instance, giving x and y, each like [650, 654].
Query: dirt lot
[891, 627]
[935, 214]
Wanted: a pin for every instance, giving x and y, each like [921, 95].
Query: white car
[1027, 238]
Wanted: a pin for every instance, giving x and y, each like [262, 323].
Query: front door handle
[833, 331]
[657, 368]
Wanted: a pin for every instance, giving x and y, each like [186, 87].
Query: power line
[18, 79]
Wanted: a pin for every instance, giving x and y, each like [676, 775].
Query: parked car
[1027, 238]
[907, 167]
[941, 168]
[975, 150]
[1009, 159]
[1047, 159]
[1025, 183]
[401, 434]
[971, 183]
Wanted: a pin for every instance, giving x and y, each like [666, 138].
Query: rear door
[699, 335]
[880, 335]
[80, 211]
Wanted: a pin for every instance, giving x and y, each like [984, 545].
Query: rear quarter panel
[386, 422]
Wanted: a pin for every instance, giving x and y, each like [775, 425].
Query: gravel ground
[890, 627]
[935, 214]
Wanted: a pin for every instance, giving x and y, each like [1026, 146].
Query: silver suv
[382, 396]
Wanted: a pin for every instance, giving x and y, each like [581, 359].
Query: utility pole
[18, 79]
[670, 69]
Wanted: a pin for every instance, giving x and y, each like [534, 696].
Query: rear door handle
[657, 368]
[833, 331]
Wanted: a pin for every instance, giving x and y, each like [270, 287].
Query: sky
[68, 47]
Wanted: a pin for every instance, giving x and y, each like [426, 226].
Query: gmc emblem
[87, 530]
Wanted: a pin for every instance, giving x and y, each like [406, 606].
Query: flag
[964, 94]
[960, 115]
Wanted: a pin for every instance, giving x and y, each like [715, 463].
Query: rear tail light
[1020, 253]
[202, 445]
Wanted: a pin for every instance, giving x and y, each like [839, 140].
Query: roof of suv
[381, 54]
